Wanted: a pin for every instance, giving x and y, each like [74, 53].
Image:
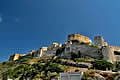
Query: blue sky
[30, 24]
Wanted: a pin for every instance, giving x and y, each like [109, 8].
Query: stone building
[38, 53]
[110, 53]
[113, 52]
[80, 46]
[53, 48]
[45, 51]
[71, 76]
[15, 57]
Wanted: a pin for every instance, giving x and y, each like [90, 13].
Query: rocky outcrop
[80, 38]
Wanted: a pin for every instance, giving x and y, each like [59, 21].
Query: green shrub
[23, 60]
[53, 67]
[88, 44]
[102, 64]
[80, 60]
[93, 46]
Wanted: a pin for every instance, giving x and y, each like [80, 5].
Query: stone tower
[99, 41]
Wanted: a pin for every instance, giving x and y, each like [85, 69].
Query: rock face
[79, 37]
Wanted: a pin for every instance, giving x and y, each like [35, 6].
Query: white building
[71, 76]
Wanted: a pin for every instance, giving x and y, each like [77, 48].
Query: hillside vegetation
[46, 68]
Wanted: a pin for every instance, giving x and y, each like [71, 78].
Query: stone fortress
[80, 46]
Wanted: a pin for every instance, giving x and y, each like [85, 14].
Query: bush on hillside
[80, 60]
[102, 64]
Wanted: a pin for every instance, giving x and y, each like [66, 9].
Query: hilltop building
[38, 53]
[52, 49]
[79, 46]
[43, 51]
[46, 51]
[110, 53]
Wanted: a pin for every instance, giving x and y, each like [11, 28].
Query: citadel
[77, 46]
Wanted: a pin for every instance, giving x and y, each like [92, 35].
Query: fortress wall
[83, 49]
[115, 48]
[108, 54]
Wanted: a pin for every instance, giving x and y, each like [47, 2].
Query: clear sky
[30, 24]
